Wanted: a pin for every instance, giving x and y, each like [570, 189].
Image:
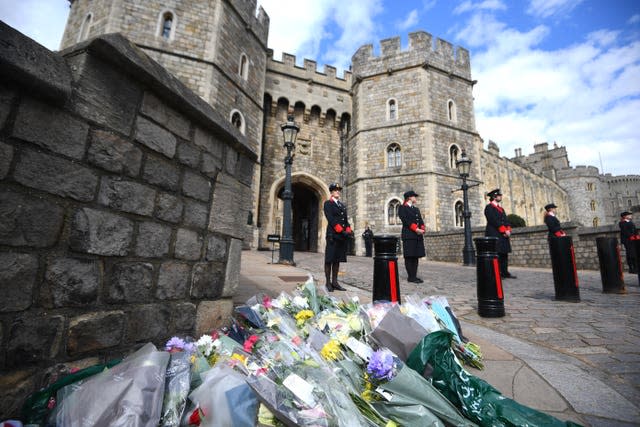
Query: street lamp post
[289, 131]
[468, 253]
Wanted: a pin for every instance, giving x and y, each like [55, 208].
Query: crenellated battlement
[309, 71]
[254, 15]
[420, 52]
[580, 171]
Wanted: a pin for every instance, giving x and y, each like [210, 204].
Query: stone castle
[396, 121]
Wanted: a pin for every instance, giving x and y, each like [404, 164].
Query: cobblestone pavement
[601, 332]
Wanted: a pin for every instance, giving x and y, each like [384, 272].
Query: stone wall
[115, 222]
[529, 245]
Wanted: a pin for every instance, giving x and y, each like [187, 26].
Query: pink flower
[249, 343]
[296, 340]
[266, 301]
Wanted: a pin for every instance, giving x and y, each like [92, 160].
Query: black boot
[334, 277]
[327, 275]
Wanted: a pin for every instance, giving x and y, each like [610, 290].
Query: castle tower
[412, 117]
[586, 194]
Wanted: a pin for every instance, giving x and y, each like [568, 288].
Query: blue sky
[564, 71]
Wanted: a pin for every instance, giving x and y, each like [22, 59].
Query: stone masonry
[115, 227]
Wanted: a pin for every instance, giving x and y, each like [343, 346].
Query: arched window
[392, 212]
[595, 222]
[85, 28]
[394, 156]
[392, 109]
[451, 111]
[237, 120]
[453, 156]
[167, 23]
[459, 218]
[243, 68]
[593, 205]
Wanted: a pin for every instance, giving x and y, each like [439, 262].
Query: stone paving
[600, 335]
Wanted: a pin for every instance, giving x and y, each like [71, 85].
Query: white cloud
[470, 6]
[409, 21]
[634, 19]
[547, 8]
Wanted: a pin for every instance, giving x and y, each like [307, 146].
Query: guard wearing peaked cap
[628, 234]
[413, 230]
[337, 234]
[498, 226]
[553, 224]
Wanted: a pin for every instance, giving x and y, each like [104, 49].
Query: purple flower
[381, 365]
[175, 343]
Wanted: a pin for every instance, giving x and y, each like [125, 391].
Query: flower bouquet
[177, 381]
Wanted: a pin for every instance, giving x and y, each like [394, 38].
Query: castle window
[459, 219]
[243, 69]
[85, 28]
[237, 120]
[593, 205]
[392, 212]
[628, 202]
[394, 156]
[167, 23]
[392, 109]
[589, 186]
[451, 111]
[595, 222]
[453, 156]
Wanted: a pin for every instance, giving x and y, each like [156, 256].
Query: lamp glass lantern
[463, 165]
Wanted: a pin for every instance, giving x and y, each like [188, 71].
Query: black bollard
[610, 265]
[490, 297]
[563, 262]
[386, 283]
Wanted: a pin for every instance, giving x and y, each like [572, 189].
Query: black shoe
[509, 276]
[413, 280]
[328, 287]
[419, 280]
[336, 287]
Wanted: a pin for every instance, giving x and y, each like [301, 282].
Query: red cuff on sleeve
[422, 227]
[338, 228]
[413, 227]
[502, 229]
[559, 233]
[348, 230]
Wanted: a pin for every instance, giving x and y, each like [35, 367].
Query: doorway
[305, 217]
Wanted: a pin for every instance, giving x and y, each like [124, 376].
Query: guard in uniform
[413, 230]
[553, 224]
[338, 233]
[628, 234]
[498, 226]
[368, 241]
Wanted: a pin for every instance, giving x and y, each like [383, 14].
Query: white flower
[205, 345]
[300, 301]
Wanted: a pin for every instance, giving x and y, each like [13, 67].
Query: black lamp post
[289, 131]
[468, 253]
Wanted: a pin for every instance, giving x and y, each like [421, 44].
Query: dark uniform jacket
[412, 242]
[338, 227]
[553, 224]
[628, 231]
[497, 225]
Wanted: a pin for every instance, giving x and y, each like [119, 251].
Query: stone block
[196, 186]
[173, 280]
[153, 240]
[188, 245]
[211, 165]
[232, 273]
[244, 170]
[51, 128]
[147, 323]
[207, 280]
[6, 156]
[161, 113]
[231, 160]
[168, 207]
[162, 173]
[103, 94]
[71, 282]
[56, 176]
[184, 317]
[15, 386]
[231, 222]
[196, 214]
[113, 153]
[155, 137]
[32, 339]
[6, 102]
[212, 315]
[17, 280]
[188, 155]
[207, 142]
[127, 196]
[29, 221]
[216, 249]
[95, 331]
[131, 282]
[101, 233]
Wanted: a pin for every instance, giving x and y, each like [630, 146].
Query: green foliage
[516, 221]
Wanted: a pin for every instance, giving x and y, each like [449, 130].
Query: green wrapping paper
[415, 402]
[477, 400]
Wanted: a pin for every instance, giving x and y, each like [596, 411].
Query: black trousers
[411, 264]
[503, 262]
[631, 257]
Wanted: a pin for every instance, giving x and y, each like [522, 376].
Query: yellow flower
[331, 350]
[240, 357]
[302, 316]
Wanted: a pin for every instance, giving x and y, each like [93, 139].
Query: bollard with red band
[386, 282]
[563, 263]
[490, 294]
[610, 265]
